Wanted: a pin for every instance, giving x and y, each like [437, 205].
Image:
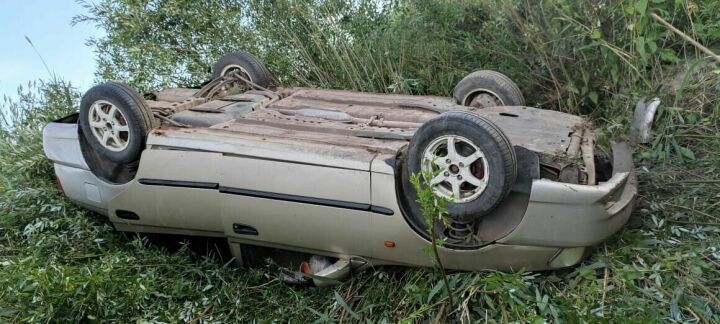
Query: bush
[61, 263]
[583, 57]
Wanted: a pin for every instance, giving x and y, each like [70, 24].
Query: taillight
[59, 185]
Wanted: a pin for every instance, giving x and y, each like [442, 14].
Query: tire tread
[508, 151]
[138, 114]
[495, 81]
[259, 72]
[502, 156]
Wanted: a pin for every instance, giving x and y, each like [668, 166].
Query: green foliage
[64, 264]
[20, 124]
[433, 207]
[435, 212]
[587, 57]
[159, 42]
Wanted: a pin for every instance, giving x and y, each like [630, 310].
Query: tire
[498, 163]
[247, 63]
[128, 124]
[499, 90]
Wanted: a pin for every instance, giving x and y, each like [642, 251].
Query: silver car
[327, 172]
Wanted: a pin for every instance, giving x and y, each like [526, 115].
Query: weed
[434, 212]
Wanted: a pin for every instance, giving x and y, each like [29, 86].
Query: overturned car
[326, 172]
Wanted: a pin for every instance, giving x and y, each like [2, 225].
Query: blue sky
[47, 24]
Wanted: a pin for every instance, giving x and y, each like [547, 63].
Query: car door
[311, 198]
[175, 190]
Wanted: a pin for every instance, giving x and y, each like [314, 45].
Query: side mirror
[641, 127]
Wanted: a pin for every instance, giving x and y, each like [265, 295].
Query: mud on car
[327, 172]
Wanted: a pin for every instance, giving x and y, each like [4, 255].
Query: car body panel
[291, 178]
[61, 144]
[172, 206]
[83, 187]
[570, 215]
[270, 148]
[537, 129]
[272, 196]
[324, 228]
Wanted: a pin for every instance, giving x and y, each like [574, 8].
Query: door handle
[244, 229]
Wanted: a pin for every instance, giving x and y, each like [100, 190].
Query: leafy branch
[434, 210]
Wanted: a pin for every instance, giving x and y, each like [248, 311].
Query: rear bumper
[568, 215]
[85, 189]
[62, 146]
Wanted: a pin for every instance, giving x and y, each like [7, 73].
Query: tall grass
[61, 263]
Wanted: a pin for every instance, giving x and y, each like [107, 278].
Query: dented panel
[571, 215]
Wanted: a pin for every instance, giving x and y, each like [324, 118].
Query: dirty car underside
[381, 123]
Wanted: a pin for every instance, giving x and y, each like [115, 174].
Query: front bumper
[571, 216]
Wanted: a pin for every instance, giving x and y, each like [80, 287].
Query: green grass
[60, 263]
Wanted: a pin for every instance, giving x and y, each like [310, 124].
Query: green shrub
[63, 264]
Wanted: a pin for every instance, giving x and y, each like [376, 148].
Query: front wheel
[471, 162]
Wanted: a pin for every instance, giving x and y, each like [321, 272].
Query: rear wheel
[115, 121]
[483, 89]
[246, 64]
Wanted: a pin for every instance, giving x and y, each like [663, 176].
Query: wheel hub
[485, 100]
[231, 69]
[458, 168]
[109, 126]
